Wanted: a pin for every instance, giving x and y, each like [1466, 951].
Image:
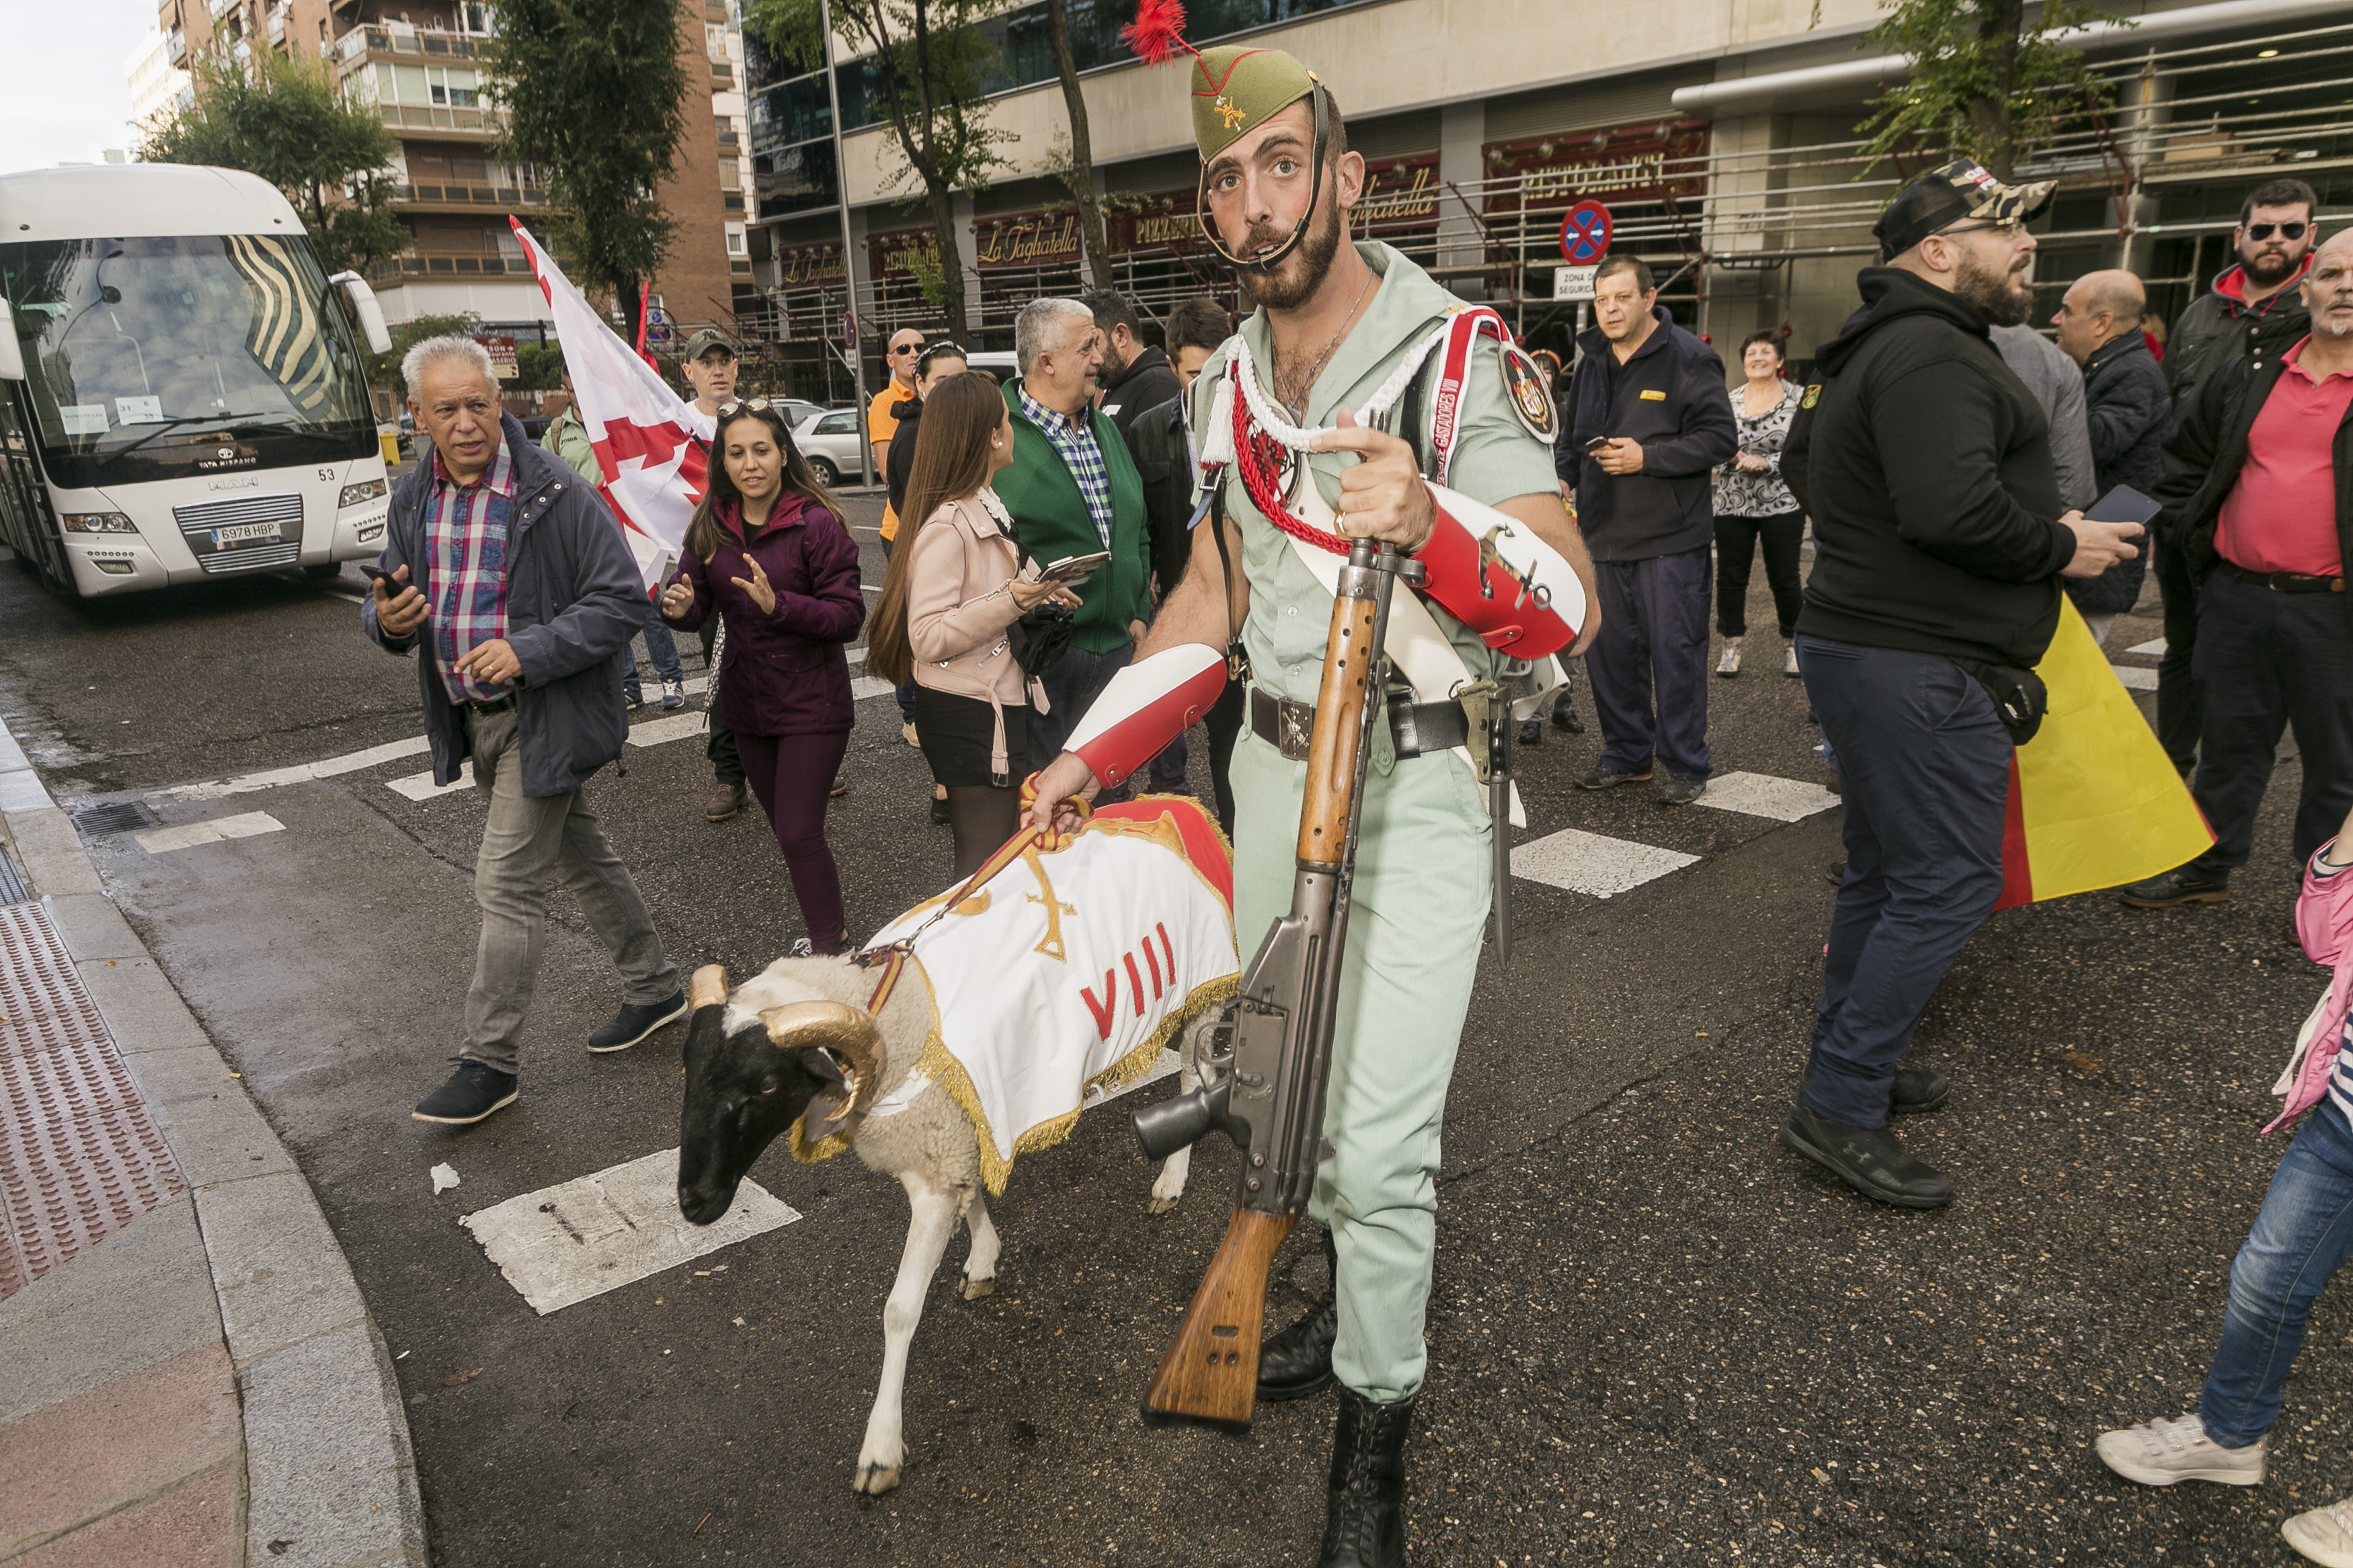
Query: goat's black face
[742, 1091]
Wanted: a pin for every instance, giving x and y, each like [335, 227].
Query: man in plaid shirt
[505, 565]
[1074, 490]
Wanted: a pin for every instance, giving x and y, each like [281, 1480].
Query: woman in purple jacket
[769, 549]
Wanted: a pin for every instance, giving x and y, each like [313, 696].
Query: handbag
[1039, 637]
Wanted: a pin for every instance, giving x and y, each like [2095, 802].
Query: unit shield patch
[1531, 399]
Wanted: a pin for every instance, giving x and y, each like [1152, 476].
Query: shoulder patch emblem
[1813, 396]
[1523, 384]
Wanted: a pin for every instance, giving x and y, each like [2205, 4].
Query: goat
[796, 1041]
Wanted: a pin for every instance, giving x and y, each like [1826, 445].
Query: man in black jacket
[2259, 497]
[1136, 376]
[2126, 410]
[2250, 315]
[1925, 464]
[1650, 399]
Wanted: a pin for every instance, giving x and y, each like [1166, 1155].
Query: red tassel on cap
[1157, 32]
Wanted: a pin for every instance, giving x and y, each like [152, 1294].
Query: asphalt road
[1654, 1337]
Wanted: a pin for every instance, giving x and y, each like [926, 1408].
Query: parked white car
[831, 442]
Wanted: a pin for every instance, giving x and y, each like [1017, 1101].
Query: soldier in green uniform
[1335, 318]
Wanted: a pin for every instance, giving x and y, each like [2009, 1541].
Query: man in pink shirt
[2261, 495]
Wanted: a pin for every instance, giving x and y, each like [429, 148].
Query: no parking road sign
[1585, 233]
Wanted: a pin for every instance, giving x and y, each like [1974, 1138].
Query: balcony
[434, 266]
[501, 198]
[175, 47]
[364, 43]
[722, 76]
[469, 124]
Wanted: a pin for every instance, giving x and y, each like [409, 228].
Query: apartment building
[417, 63]
[1721, 133]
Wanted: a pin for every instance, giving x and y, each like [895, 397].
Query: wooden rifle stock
[1283, 1030]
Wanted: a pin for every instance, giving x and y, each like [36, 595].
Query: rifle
[1269, 1097]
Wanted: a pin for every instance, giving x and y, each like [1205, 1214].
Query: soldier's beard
[1294, 280]
[2001, 296]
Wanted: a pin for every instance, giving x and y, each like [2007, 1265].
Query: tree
[594, 94]
[1986, 82]
[285, 121]
[384, 368]
[1080, 175]
[927, 68]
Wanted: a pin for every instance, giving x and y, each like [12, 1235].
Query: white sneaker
[2160, 1453]
[673, 695]
[2325, 1534]
[1789, 661]
[1729, 665]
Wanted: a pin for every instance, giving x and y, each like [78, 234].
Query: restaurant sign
[1620, 165]
[808, 266]
[899, 253]
[1049, 237]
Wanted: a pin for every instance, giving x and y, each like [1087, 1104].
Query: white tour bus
[181, 395]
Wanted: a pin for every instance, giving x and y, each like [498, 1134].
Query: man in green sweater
[1074, 490]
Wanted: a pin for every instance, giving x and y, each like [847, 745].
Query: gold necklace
[1299, 408]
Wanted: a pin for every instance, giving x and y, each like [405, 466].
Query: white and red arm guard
[1146, 706]
[1494, 574]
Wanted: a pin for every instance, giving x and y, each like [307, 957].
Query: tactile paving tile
[78, 1157]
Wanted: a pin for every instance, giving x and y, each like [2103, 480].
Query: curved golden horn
[849, 1033]
[708, 988]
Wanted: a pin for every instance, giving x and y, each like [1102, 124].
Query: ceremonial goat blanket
[1069, 969]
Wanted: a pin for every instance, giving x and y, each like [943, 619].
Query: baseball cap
[709, 338]
[1961, 189]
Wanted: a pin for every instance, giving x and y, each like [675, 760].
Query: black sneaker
[1677, 790]
[1870, 1160]
[1919, 1091]
[1603, 778]
[635, 1021]
[473, 1092]
[2175, 889]
[1565, 719]
[1531, 731]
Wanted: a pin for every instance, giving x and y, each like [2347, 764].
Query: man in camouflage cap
[1333, 319]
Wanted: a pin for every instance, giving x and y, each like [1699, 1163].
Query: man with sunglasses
[1940, 538]
[881, 423]
[2247, 319]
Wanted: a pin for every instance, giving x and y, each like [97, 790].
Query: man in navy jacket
[1649, 399]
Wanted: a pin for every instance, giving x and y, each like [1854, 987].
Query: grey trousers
[524, 842]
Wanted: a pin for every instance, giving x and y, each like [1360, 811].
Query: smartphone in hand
[376, 573]
[1599, 444]
[1072, 569]
[2123, 504]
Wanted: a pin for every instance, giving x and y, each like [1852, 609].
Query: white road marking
[677, 727]
[565, 1244]
[188, 835]
[1591, 863]
[865, 686]
[2149, 647]
[2138, 680]
[1761, 795]
[420, 786]
[301, 773]
[1168, 1066]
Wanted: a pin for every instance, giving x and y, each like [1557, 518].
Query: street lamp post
[849, 272]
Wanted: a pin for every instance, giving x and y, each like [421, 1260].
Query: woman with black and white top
[1752, 503]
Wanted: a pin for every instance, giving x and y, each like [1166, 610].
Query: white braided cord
[1297, 438]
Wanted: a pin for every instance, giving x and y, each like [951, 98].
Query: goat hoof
[874, 1480]
[974, 1290]
[1160, 1205]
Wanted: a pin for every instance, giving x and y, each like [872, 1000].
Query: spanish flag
[2093, 801]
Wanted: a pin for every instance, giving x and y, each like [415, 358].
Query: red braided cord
[1254, 456]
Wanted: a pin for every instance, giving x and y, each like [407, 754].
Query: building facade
[1720, 133]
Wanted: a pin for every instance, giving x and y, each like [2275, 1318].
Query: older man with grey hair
[503, 571]
[1074, 491]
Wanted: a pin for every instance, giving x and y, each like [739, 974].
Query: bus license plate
[244, 533]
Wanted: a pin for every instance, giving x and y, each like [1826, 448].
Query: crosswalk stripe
[188, 835]
[2137, 680]
[1761, 795]
[1594, 863]
[2154, 647]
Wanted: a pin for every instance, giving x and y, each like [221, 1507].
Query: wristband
[1493, 573]
[1146, 706]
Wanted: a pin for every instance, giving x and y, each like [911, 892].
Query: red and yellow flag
[2093, 801]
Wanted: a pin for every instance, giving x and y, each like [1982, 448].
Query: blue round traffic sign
[1585, 233]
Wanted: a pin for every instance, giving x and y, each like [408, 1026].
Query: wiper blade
[234, 424]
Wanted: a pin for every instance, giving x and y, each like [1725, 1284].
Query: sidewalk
[188, 1375]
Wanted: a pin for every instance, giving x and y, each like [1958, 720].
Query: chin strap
[1146, 706]
[1321, 102]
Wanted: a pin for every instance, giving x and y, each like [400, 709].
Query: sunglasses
[905, 348]
[2260, 231]
[746, 405]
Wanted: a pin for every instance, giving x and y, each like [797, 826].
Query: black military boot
[1364, 1520]
[1297, 1361]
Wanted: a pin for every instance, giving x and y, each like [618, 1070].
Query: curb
[327, 1456]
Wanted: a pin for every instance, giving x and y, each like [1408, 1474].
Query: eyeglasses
[2284, 230]
[746, 405]
[905, 348]
[2006, 227]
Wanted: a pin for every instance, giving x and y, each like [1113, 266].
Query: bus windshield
[140, 350]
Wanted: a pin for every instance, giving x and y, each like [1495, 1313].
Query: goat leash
[893, 956]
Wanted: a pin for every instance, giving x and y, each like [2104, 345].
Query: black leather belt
[1417, 728]
[499, 706]
[2284, 582]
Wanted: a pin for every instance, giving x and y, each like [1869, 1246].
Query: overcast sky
[65, 92]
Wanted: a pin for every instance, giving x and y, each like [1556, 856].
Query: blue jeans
[661, 647]
[2301, 1238]
[1924, 775]
[1652, 653]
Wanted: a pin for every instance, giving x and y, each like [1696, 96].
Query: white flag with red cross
[652, 443]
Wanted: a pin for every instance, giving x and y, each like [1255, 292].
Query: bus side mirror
[12, 354]
[364, 306]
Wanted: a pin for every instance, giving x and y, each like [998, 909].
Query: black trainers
[1603, 778]
[1565, 719]
[473, 1092]
[1531, 731]
[1677, 790]
[635, 1021]
[2176, 887]
[1870, 1160]
[1919, 1091]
